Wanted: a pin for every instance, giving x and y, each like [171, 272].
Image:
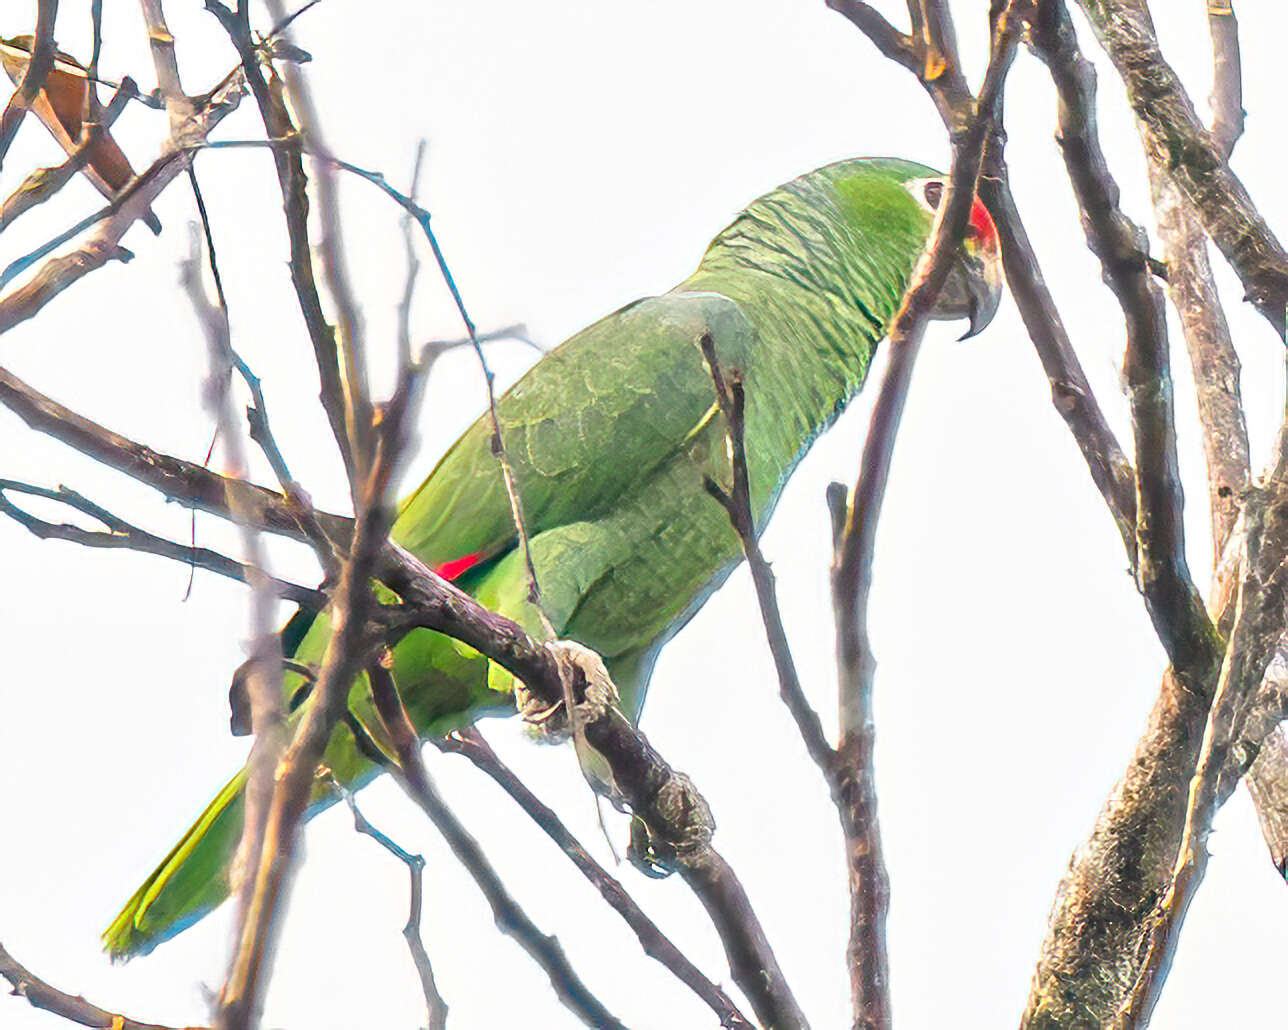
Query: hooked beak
[974, 286]
[982, 271]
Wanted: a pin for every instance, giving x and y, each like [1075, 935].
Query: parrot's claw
[681, 808]
[647, 853]
[538, 716]
[586, 682]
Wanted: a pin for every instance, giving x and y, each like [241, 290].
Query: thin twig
[121, 535]
[517, 331]
[412, 212]
[261, 431]
[293, 183]
[422, 219]
[510, 918]
[737, 505]
[346, 654]
[498, 444]
[103, 245]
[33, 76]
[330, 244]
[178, 104]
[96, 51]
[471, 743]
[263, 675]
[435, 1007]
[185, 482]
[413, 264]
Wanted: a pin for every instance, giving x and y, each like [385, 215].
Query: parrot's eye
[933, 191]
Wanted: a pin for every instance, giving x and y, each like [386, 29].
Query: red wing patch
[450, 570]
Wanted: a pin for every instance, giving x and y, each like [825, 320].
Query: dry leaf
[62, 106]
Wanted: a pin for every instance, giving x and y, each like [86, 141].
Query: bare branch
[293, 184]
[1096, 923]
[1071, 393]
[940, 63]
[262, 674]
[434, 603]
[1214, 361]
[853, 558]
[1162, 572]
[1176, 140]
[667, 802]
[737, 504]
[435, 1007]
[680, 828]
[853, 785]
[330, 244]
[1258, 625]
[885, 37]
[510, 918]
[177, 103]
[471, 743]
[71, 1007]
[123, 535]
[186, 482]
[346, 654]
[413, 265]
[1216, 373]
[1227, 78]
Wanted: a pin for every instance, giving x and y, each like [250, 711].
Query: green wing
[582, 429]
[609, 437]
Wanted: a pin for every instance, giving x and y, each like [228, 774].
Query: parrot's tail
[191, 881]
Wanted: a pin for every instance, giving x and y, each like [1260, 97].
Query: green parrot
[610, 436]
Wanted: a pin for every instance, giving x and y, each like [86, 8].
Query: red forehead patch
[981, 223]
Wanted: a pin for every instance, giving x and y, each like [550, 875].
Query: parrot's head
[974, 286]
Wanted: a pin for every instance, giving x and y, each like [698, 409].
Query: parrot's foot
[690, 826]
[584, 676]
[589, 694]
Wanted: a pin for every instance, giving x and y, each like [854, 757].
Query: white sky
[580, 155]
